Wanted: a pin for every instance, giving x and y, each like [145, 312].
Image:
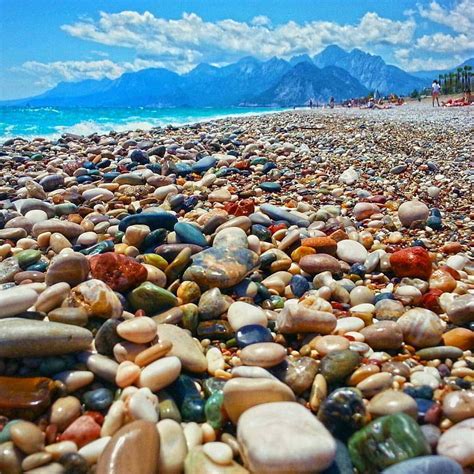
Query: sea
[52, 122]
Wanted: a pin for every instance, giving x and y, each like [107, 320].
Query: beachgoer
[310, 103]
[435, 90]
[331, 102]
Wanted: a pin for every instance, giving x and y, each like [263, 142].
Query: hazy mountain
[333, 72]
[433, 74]
[371, 71]
[305, 81]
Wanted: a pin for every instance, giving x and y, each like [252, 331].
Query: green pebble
[28, 257]
[338, 365]
[190, 317]
[192, 409]
[168, 407]
[213, 385]
[213, 410]
[151, 298]
[5, 434]
[386, 441]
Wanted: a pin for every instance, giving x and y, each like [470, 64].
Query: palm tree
[468, 70]
[458, 78]
[452, 81]
[446, 83]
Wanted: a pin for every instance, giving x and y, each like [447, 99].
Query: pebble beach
[284, 293]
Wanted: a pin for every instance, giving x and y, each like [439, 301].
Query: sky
[43, 42]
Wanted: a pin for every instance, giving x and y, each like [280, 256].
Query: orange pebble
[300, 252]
[462, 338]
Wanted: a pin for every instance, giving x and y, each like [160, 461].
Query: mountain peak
[301, 58]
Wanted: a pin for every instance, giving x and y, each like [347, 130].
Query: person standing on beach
[310, 103]
[435, 90]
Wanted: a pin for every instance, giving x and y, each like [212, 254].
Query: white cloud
[460, 18]
[444, 43]
[409, 63]
[194, 40]
[260, 20]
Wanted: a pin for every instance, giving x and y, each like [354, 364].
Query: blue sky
[44, 42]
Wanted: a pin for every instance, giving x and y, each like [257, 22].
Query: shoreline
[410, 112]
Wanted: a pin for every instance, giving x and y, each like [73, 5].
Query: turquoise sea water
[53, 121]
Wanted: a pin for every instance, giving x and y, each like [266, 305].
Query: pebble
[16, 300]
[173, 448]
[27, 437]
[390, 401]
[457, 443]
[283, 436]
[413, 211]
[425, 465]
[138, 330]
[134, 449]
[351, 251]
[242, 314]
[242, 393]
[421, 327]
[29, 338]
[183, 347]
[263, 354]
[160, 373]
[458, 406]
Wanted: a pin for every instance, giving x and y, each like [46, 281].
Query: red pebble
[433, 415]
[244, 207]
[276, 227]
[96, 416]
[82, 431]
[430, 301]
[120, 272]
[412, 262]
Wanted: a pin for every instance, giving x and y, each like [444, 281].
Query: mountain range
[249, 82]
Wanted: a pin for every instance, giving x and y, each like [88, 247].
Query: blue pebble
[423, 406]
[111, 175]
[252, 334]
[358, 269]
[418, 243]
[154, 220]
[425, 465]
[422, 391]
[277, 213]
[241, 289]
[88, 165]
[269, 186]
[155, 167]
[104, 164]
[434, 222]
[299, 285]
[139, 156]
[268, 166]
[262, 232]
[204, 164]
[190, 234]
[383, 296]
[189, 203]
[435, 212]
[85, 178]
[99, 399]
[40, 266]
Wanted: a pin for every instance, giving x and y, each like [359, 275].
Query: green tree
[414, 94]
[458, 79]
